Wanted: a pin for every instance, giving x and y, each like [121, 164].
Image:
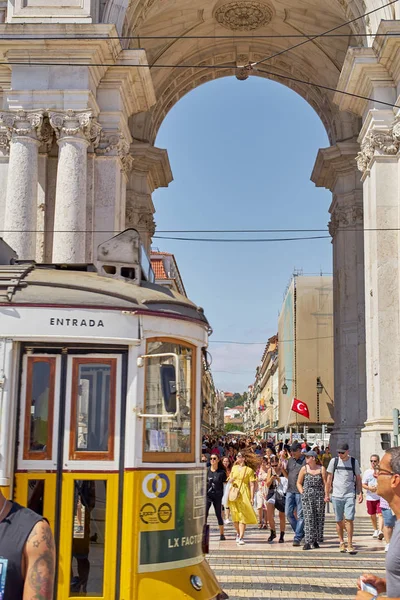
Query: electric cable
[311, 39]
[248, 240]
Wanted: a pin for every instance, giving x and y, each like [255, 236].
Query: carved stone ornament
[243, 15]
[21, 122]
[142, 221]
[385, 142]
[76, 123]
[352, 216]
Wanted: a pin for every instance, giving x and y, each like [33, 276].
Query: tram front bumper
[177, 584]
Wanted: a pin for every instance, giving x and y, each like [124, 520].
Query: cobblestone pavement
[261, 570]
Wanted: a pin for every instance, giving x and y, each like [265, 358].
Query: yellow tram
[100, 422]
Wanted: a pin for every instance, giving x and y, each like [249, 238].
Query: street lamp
[320, 389]
[271, 401]
[284, 388]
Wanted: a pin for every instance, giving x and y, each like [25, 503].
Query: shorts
[260, 500]
[389, 519]
[344, 508]
[373, 507]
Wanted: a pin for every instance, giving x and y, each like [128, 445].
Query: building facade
[80, 112]
[306, 353]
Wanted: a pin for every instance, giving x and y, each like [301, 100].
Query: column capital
[345, 216]
[153, 161]
[335, 161]
[20, 123]
[114, 143]
[378, 142]
[79, 124]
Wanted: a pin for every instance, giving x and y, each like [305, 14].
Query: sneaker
[282, 537]
[272, 536]
[307, 547]
[351, 549]
[237, 538]
[342, 547]
[386, 547]
[375, 534]
[296, 543]
[226, 522]
[380, 535]
[222, 537]
[241, 542]
[315, 545]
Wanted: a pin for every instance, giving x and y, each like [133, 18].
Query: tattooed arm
[39, 560]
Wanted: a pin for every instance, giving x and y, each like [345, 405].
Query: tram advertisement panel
[171, 519]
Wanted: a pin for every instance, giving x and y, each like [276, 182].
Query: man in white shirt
[369, 484]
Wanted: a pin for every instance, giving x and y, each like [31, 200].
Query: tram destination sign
[171, 519]
[67, 323]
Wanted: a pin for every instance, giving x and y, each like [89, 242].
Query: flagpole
[288, 417]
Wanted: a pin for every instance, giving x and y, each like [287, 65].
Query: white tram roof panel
[28, 283]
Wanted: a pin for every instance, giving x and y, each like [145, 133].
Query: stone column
[112, 167]
[22, 181]
[75, 131]
[150, 170]
[379, 162]
[336, 170]
[374, 73]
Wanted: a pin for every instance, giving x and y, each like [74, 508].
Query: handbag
[234, 491]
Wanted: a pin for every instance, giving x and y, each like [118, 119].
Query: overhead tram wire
[311, 39]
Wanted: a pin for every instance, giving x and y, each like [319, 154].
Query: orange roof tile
[158, 268]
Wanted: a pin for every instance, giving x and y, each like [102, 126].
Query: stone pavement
[261, 570]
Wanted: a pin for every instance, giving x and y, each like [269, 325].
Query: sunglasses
[374, 461]
[213, 458]
[342, 452]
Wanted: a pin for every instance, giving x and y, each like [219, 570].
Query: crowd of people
[252, 482]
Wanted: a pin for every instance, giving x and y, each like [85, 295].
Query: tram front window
[39, 408]
[168, 393]
[93, 409]
[88, 538]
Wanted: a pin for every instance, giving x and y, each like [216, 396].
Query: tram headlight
[196, 582]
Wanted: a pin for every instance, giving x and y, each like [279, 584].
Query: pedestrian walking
[326, 457]
[344, 479]
[216, 477]
[241, 494]
[277, 487]
[388, 478]
[293, 497]
[369, 483]
[261, 493]
[311, 484]
[226, 465]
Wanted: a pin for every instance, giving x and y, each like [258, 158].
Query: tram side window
[39, 408]
[169, 394]
[93, 409]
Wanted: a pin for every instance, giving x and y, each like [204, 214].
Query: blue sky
[242, 154]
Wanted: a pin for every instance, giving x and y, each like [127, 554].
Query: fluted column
[75, 131]
[23, 129]
[336, 169]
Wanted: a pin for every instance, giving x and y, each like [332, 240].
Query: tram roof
[81, 286]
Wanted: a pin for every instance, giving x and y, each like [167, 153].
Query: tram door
[68, 463]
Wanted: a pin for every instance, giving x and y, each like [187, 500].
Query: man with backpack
[344, 479]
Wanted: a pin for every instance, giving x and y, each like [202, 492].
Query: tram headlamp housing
[196, 582]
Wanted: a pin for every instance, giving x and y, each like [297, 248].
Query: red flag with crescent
[301, 408]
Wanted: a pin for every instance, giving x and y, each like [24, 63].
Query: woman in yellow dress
[243, 478]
